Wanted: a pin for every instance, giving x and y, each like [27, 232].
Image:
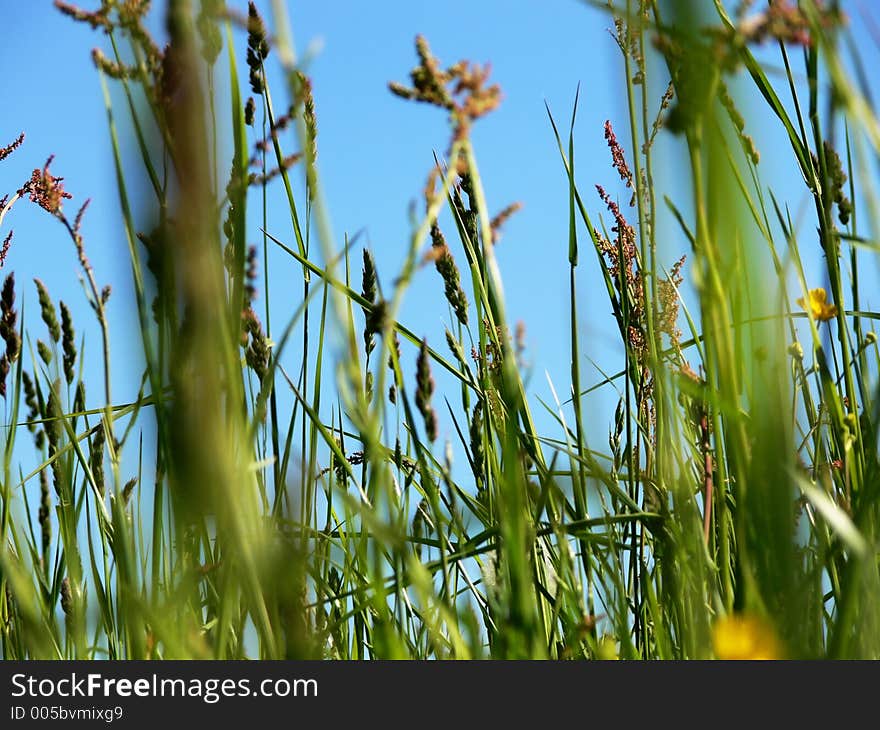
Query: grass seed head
[47, 311]
[66, 597]
[618, 156]
[44, 515]
[251, 275]
[97, 19]
[837, 177]
[461, 89]
[45, 189]
[8, 330]
[128, 489]
[10, 148]
[667, 293]
[368, 292]
[475, 432]
[305, 96]
[4, 248]
[497, 223]
[446, 267]
[788, 23]
[424, 391]
[30, 399]
[111, 68]
[44, 352]
[68, 343]
[96, 458]
[257, 352]
[258, 48]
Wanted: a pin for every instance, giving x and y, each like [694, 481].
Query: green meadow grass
[295, 501]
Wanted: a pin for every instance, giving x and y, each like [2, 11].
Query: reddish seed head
[4, 250]
[45, 189]
[10, 148]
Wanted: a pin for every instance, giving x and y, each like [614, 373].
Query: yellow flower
[744, 637]
[607, 649]
[818, 306]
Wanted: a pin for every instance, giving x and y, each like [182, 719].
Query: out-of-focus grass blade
[837, 519]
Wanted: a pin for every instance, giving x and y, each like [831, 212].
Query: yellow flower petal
[744, 637]
[817, 305]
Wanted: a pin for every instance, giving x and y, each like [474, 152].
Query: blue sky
[374, 153]
[374, 150]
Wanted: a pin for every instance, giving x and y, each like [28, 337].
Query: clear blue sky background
[374, 153]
